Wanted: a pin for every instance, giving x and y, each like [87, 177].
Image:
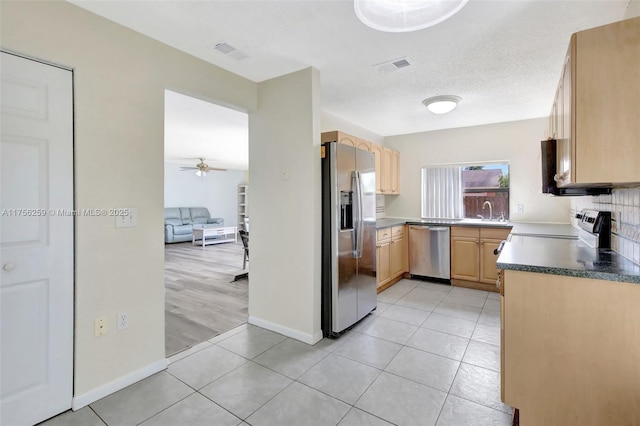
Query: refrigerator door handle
[359, 234]
[355, 214]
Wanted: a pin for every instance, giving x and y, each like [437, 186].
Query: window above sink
[466, 191]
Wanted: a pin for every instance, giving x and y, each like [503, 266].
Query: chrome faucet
[490, 208]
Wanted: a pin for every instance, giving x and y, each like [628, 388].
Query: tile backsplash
[624, 205]
[380, 206]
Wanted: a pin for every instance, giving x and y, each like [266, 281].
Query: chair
[244, 236]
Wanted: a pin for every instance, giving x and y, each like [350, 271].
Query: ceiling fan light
[405, 15]
[441, 104]
[199, 173]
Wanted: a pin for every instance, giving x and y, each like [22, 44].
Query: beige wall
[284, 137]
[119, 82]
[517, 142]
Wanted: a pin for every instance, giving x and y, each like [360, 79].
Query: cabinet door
[564, 131]
[405, 253]
[386, 171]
[382, 262]
[395, 173]
[347, 140]
[465, 260]
[607, 101]
[362, 144]
[377, 154]
[488, 270]
[397, 256]
[502, 345]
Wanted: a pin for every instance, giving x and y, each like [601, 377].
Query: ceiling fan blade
[209, 169]
[184, 168]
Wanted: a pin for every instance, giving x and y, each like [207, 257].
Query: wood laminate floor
[201, 299]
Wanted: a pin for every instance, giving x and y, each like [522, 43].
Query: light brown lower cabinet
[473, 263]
[570, 350]
[392, 256]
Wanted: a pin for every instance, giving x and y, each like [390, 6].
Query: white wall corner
[100, 392]
[284, 140]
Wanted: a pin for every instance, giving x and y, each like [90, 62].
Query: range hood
[549, 186]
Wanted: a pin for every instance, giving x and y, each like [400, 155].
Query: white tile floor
[429, 355]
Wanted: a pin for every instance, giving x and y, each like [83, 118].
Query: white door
[36, 243]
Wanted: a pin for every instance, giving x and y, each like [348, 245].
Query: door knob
[9, 266]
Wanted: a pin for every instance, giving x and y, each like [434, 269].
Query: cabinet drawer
[494, 233]
[397, 231]
[383, 234]
[465, 231]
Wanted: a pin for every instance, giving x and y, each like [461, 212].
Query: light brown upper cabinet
[394, 186]
[362, 144]
[377, 151]
[389, 171]
[595, 112]
[339, 137]
[387, 161]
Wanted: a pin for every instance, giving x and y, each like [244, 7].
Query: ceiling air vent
[393, 65]
[230, 51]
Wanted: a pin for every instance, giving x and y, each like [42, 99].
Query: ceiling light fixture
[441, 104]
[201, 173]
[398, 16]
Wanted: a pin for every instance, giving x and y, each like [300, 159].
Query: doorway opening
[205, 206]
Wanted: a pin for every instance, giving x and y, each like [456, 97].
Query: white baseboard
[87, 398]
[311, 339]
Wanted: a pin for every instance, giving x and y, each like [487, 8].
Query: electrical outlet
[123, 320]
[100, 326]
[520, 208]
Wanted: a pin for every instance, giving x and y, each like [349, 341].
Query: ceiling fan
[201, 168]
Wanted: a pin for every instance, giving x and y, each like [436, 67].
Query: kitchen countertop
[554, 230]
[546, 248]
[388, 222]
[569, 257]
[394, 221]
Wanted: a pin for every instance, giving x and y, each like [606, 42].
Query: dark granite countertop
[569, 257]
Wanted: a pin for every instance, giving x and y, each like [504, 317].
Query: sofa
[179, 222]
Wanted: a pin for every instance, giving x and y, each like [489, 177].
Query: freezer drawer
[429, 254]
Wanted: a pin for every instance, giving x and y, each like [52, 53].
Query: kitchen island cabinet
[570, 349]
[473, 263]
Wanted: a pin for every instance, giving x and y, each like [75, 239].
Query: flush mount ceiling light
[441, 104]
[397, 16]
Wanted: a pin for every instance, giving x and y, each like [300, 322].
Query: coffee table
[225, 234]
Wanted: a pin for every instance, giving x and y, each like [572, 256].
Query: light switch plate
[128, 217]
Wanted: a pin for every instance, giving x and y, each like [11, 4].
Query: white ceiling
[503, 58]
[195, 129]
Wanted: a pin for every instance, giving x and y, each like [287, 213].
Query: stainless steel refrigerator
[348, 237]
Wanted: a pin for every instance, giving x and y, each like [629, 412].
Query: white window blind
[442, 192]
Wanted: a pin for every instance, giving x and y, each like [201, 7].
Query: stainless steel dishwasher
[429, 254]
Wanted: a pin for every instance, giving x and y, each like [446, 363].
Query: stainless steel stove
[595, 228]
